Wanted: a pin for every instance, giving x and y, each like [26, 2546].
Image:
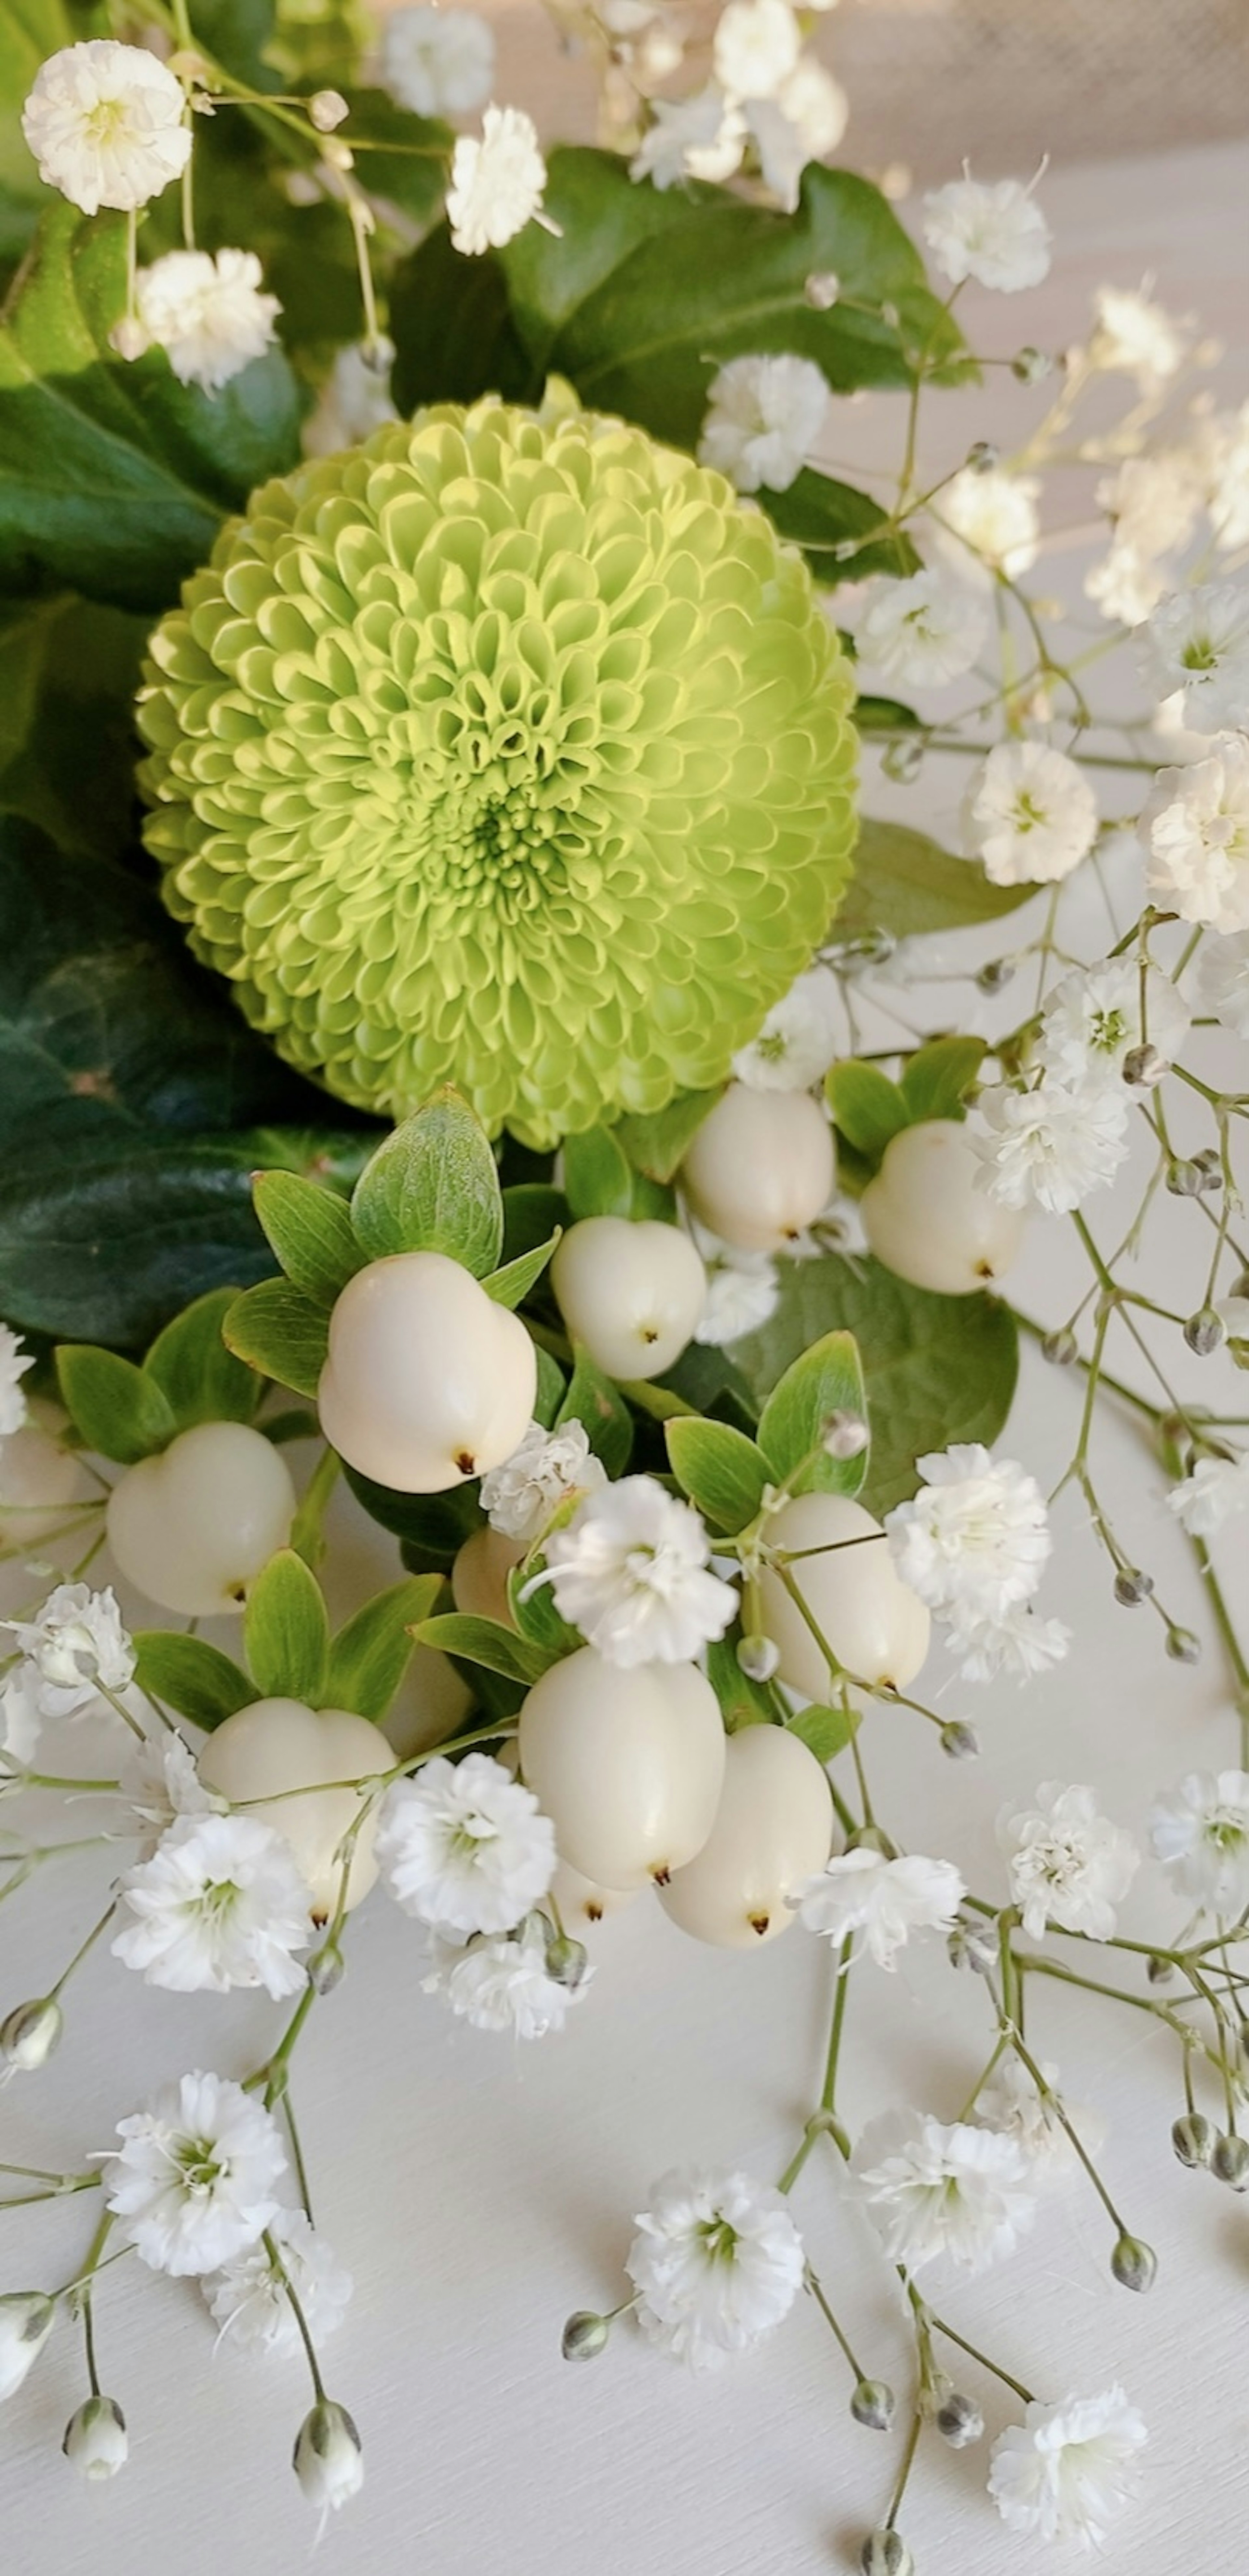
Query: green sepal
[371, 1653]
[486, 1642]
[511, 1285]
[592, 1399]
[597, 1177]
[199, 1378]
[310, 1230]
[827, 1378]
[115, 1407]
[286, 1631]
[722, 1472]
[282, 1333]
[190, 1676]
[433, 1187]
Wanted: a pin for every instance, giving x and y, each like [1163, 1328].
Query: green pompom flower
[503, 750]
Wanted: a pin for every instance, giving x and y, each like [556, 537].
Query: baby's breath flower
[1093, 1019]
[1050, 1146]
[995, 516]
[798, 1039]
[497, 184]
[207, 313]
[975, 1535]
[763, 417]
[1029, 814]
[249, 2300]
[1067, 2471]
[14, 1362]
[960, 2195]
[1014, 1642]
[631, 1572]
[743, 1290]
[26, 2321]
[193, 2180]
[497, 1983]
[1013, 2106]
[1135, 337]
[1222, 980]
[1200, 1832]
[1195, 827]
[1068, 1864]
[106, 124]
[862, 1893]
[996, 234]
[73, 1647]
[717, 2264]
[1216, 1491]
[328, 2459]
[96, 2442]
[756, 48]
[519, 1497]
[464, 1846]
[438, 62]
[804, 119]
[923, 631]
[702, 137]
[219, 1904]
[1198, 641]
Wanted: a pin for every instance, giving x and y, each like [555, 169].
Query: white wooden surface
[479, 2194]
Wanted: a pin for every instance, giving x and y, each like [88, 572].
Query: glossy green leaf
[532, 1212]
[551, 1385]
[742, 1702]
[29, 30]
[593, 1400]
[371, 1654]
[193, 1678]
[658, 1144]
[287, 1633]
[68, 673]
[485, 1642]
[401, 159]
[722, 1472]
[200, 1379]
[434, 1526]
[511, 1285]
[537, 1618]
[825, 1731]
[433, 1187]
[939, 1076]
[280, 1332]
[885, 715]
[116, 1408]
[827, 1378]
[597, 1177]
[452, 326]
[310, 1230]
[906, 883]
[839, 530]
[868, 1108]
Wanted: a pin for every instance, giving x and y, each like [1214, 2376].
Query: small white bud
[995, 977]
[960, 1741]
[959, 2421]
[585, 2335]
[844, 1435]
[873, 2404]
[983, 457]
[29, 2035]
[1143, 1066]
[128, 337]
[566, 1961]
[327, 2458]
[326, 1968]
[338, 156]
[96, 2442]
[1183, 1647]
[972, 1945]
[1203, 1332]
[26, 2321]
[902, 761]
[1132, 1587]
[1134, 2264]
[885, 2553]
[822, 290]
[327, 108]
[1060, 1349]
[758, 1657]
[1030, 366]
[1185, 1180]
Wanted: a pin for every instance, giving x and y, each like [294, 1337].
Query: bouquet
[467, 1051]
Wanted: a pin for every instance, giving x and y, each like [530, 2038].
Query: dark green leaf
[907, 884]
[287, 1633]
[722, 1471]
[593, 1400]
[452, 326]
[511, 1285]
[282, 1333]
[311, 1232]
[433, 1187]
[742, 1702]
[435, 1524]
[824, 518]
[236, 33]
[597, 1178]
[409, 171]
[551, 1384]
[116, 1408]
[532, 1213]
[659, 1144]
[200, 1379]
[68, 674]
[29, 29]
[826, 1379]
[370, 1655]
[937, 1369]
[885, 715]
[190, 1676]
[825, 1731]
[869, 1109]
[939, 1076]
[537, 1618]
[486, 1642]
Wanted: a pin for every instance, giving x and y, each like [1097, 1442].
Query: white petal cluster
[996, 234]
[1195, 827]
[1222, 981]
[14, 1362]
[923, 631]
[194, 2180]
[26, 2321]
[974, 1543]
[464, 1847]
[1068, 1864]
[519, 1497]
[107, 125]
[1216, 1491]
[1093, 1019]
[957, 2196]
[1067, 2472]
[96, 2442]
[631, 1571]
[74, 1647]
[994, 515]
[328, 2459]
[354, 400]
[798, 1040]
[1015, 1642]
[880, 1902]
[497, 183]
[763, 417]
[803, 120]
[1135, 338]
[162, 1783]
[437, 62]
[717, 2264]
[1200, 1832]
[1013, 2107]
[499, 1983]
[1029, 815]
[1050, 1146]
[756, 48]
[248, 2298]
[702, 137]
[743, 1289]
[1197, 641]
[19, 1717]
[207, 312]
[219, 1904]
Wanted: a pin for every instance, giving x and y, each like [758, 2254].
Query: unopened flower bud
[873, 2404]
[128, 337]
[1060, 1349]
[1132, 1587]
[1184, 1180]
[758, 1657]
[885, 2553]
[959, 2421]
[983, 457]
[336, 155]
[844, 1435]
[890, 317]
[26, 2321]
[972, 1945]
[902, 761]
[327, 2458]
[1134, 2264]
[566, 1961]
[960, 1741]
[1203, 1332]
[29, 2035]
[995, 977]
[1210, 1167]
[1143, 1067]
[1160, 1971]
[1240, 1285]
[187, 65]
[96, 2442]
[1030, 366]
[1183, 1647]
[585, 2336]
[822, 290]
[1193, 2138]
[1229, 2159]
[326, 1969]
[327, 108]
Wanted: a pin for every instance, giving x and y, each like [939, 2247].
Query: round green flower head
[507, 751]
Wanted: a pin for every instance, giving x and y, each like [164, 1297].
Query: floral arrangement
[422, 585]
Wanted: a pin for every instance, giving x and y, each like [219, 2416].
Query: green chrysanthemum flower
[507, 751]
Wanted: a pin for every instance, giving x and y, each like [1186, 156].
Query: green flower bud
[873, 2404]
[96, 2442]
[585, 2336]
[30, 2033]
[885, 2553]
[960, 1741]
[1203, 1332]
[1132, 1587]
[1184, 1180]
[1134, 2264]
[1183, 1647]
[959, 2421]
[1060, 1349]
[1193, 2138]
[1229, 2159]
[566, 1961]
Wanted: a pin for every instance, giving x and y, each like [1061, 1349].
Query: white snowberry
[772, 1831]
[634, 1294]
[37, 1477]
[928, 1219]
[628, 1765]
[428, 1381]
[193, 1527]
[277, 1747]
[583, 1903]
[761, 1167]
[872, 1622]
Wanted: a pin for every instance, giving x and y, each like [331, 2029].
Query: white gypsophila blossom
[995, 516]
[74, 1647]
[14, 1362]
[1153, 501]
[1135, 338]
[497, 182]
[631, 1572]
[1200, 1832]
[717, 2264]
[756, 48]
[1016, 1643]
[207, 312]
[1195, 827]
[20, 1716]
[923, 631]
[328, 2459]
[248, 2298]
[162, 1782]
[995, 233]
[519, 1497]
[437, 62]
[219, 1904]
[1068, 1864]
[1221, 982]
[1049, 1147]
[805, 119]
[957, 2196]
[763, 415]
[1012, 2106]
[107, 125]
[1198, 641]
[26, 2321]
[501, 1984]
[465, 1847]
[798, 1040]
[743, 1291]
[1092, 1021]
[354, 400]
[976, 1533]
[878, 1902]
[1029, 815]
[1068, 2471]
[193, 2182]
[1126, 586]
[702, 137]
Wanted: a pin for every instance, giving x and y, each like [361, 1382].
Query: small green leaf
[279, 1331]
[825, 1731]
[115, 1407]
[658, 1144]
[597, 1178]
[538, 1619]
[824, 517]
[485, 1642]
[187, 1674]
[435, 1524]
[827, 1378]
[551, 1385]
[885, 715]
[722, 1471]
[433, 1187]
[370, 1655]
[200, 1379]
[939, 1076]
[594, 1401]
[68, 674]
[532, 1211]
[311, 1232]
[511, 1285]
[869, 1109]
[907, 884]
[742, 1702]
[287, 1632]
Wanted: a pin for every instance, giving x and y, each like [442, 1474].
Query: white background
[479, 2194]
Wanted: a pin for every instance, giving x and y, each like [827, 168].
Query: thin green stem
[271, 2249]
